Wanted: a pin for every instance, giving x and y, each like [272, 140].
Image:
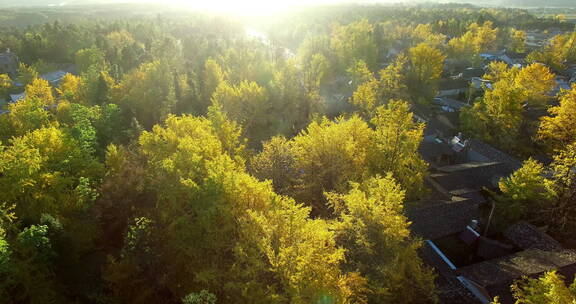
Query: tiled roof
[473, 176]
[506, 269]
[432, 149]
[54, 76]
[473, 72]
[435, 219]
[527, 236]
[442, 124]
[452, 84]
[453, 103]
[493, 154]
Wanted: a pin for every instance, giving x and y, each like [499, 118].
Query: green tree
[562, 212]
[376, 92]
[80, 120]
[276, 163]
[70, 88]
[315, 71]
[41, 90]
[353, 42]
[41, 173]
[26, 74]
[212, 76]
[545, 197]
[497, 117]
[292, 101]
[312, 45]
[537, 81]
[396, 139]
[426, 66]
[524, 192]
[360, 73]
[559, 129]
[27, 269]
[98, 87]
[87, 58]
[478, 39]
[25, 115]
[376, 234]
[5, 84]
[248, 104]
[221, 230]
[517, 41]
[328, 155]
[557, 52]
[148, 93]
[549, 288]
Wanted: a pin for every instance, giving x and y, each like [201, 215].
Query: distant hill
[521, 3]
[543, 3]
[16, 3]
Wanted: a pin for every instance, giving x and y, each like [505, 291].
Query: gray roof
[493, 154]
[527, 236]
[431, 149]
[8, 63]
[524, 263]
[473, 72]
[474, 176]
[452, 84]
[8, 58]
[17, 97]
[435, 219]
[443, 124]
[54, 77]
[453, 103]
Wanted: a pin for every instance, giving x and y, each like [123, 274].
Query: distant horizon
[264, 5]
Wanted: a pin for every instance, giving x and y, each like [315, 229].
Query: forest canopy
[181, 157]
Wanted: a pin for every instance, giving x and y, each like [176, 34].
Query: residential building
[9, 63]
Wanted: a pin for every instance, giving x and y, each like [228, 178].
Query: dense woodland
[186, 161]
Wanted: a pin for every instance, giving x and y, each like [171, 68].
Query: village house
[535, 39]
[480, 83]
[468, 73]
[533, 253]
[9, 63]
[452, 87]
[562, 83]
[570, 73]
[54, 78]
[473, 265]
[460, 170]
[472, 268]
[497, 56]
[449, 104]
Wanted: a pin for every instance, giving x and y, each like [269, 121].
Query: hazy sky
[244, 7]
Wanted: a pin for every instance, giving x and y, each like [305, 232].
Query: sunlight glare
[238, 7]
